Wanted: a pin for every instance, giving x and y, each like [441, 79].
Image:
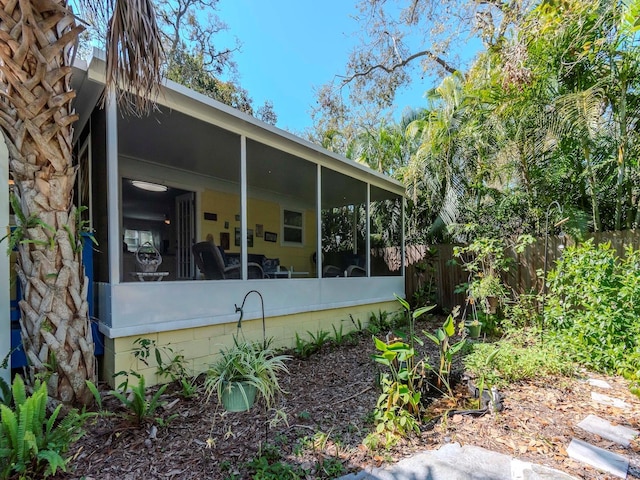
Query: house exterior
[196, 171]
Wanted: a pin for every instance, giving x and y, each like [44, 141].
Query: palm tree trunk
[36, 117]
[621, 187]
[597, 225]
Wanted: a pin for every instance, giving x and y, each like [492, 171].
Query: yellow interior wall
[226, 206]
[201, 345]
[266, 213]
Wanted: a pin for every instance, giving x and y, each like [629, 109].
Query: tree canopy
[548, 111]
[193, 54]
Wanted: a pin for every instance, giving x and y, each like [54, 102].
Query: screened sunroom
[224, 204]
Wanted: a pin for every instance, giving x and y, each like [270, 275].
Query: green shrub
[593, 306]
[170, 365]
[32, 444]
[268, 465]
[380, 322]
[319, 339]
[443, 339]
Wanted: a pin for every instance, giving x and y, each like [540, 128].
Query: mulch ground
[328, 405]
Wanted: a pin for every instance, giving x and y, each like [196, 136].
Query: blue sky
[291, 46]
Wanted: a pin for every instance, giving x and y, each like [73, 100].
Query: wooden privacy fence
[436, 264]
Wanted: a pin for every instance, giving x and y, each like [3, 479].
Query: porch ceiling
[183, 142]
[180, 141]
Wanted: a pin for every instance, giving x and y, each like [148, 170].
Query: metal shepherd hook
[240, 309]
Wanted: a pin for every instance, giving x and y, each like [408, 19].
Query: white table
[287, 274]
[149, 276]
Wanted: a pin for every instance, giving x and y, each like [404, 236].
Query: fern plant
[32, 444]
[5, 390]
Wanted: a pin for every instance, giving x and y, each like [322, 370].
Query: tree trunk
[621, 179]
[36, 39]
[595, 210]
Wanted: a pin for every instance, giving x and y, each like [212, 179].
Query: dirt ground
[328, 405]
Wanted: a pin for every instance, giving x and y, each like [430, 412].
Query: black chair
[210, 262]
[331, 271]
[356, 271]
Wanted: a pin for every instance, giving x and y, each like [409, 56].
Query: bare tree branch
[425, 53]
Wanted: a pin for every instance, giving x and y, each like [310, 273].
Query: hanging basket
[148, 258]
[474, 329]
[238, 396]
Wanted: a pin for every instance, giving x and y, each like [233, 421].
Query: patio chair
[210, 262]
[331, 271]
[356, 271]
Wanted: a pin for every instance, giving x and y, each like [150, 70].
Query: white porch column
[243, 207]
[402, 238]
[113, 189]
[319, 262]
[5, 318]
[367, 242]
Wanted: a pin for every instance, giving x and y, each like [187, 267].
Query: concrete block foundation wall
[201, 345]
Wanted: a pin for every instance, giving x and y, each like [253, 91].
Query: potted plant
[485, 260]
[487, 291]
[474, 327]
[243, 372]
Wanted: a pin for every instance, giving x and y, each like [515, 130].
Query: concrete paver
[616, 433]
[611, 401]
[596, 382]
[599, 458]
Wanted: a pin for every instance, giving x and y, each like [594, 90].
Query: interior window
[135, 238]
[292, 226]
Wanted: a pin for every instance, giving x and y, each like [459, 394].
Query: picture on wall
[270, 237]
[249, 237]
[259, 230]
[224, 240]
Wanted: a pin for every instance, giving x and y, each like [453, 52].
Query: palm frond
[134, 51]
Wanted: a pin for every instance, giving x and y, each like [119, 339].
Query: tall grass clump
[516, 357]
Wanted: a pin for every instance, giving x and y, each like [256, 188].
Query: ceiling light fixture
[150, 187]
